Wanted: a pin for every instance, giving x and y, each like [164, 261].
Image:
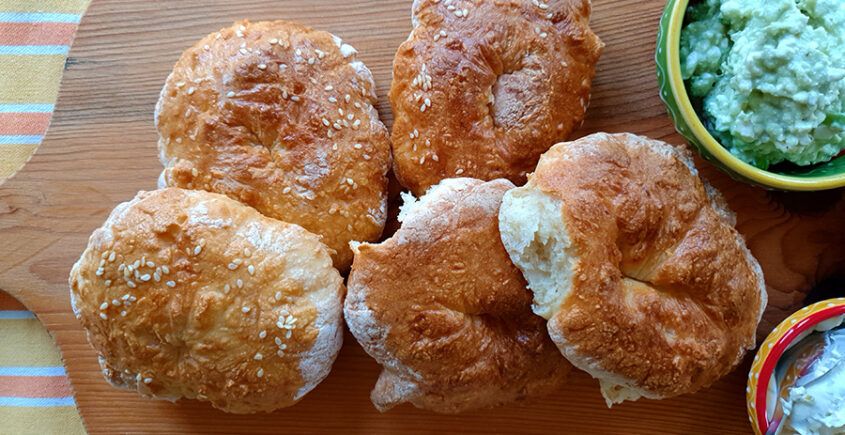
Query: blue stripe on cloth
[36, 401]
[10, 139]
[33, 49]
[17, 314]
[32, 371]
[38, 17]
[26, 108]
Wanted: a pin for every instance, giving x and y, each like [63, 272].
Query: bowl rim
[679, 92]
[802, 322]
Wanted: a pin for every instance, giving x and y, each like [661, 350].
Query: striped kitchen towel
[35, 397]
[34, 40]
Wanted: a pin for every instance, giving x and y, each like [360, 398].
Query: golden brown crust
[482, 87]
[279, 116]
[191, 294]
[443, 309]
[665, 297]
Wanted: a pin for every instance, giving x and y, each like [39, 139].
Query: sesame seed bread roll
[481, 88]
[280, 117]
[635, 263]
[441, 307]
[191, 294]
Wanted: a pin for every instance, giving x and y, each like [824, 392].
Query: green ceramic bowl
[674, 94]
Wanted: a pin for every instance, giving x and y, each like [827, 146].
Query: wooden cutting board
[101, 149]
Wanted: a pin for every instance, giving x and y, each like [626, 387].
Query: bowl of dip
[797, 380]
[757, 87]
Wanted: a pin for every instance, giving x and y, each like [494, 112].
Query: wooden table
[100, 151]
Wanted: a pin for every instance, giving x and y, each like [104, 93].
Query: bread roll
[280, 117]
[481, 88]
[636, 264]
[441, 307]
[191, 294]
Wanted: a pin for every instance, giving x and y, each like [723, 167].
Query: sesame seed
[278, 341]
[332, 100]
[337, 126]
[150, 264]
[326, 122]
[466, 12]
[145, 277]
[156, 276]
[278, 296]
[165, 269]
[350, 116]
[310, 61]
[280, 353]
[294, 98]
[111, 256]
[104, 305]
[136, 264]
[358, 146]
[450, 8]
[459, 172]
[171, 284]
[422, 108]
[422, 159]
[536, 30]
[131, 284]
[123, 313]
[226, 288]
[133, 298]
[148, 380]
[357, 104]
[125, 297]
[435, 158]
[273, 41]
[108, 282]
[283, 346]
[366, 157]
[549, 16]
[288, 334]
[251, 269]
[298, 52]
[245, 309]
[240, 283]
[258, 357]
[347, 97]
[191, 90]
[232, 266]
[543, 35]
[543, 6]
[247, 252]
[340, 111]
[436, 37]
[329, 87]
[197, 250]
[286, 190]
[428, 102]
[284, 94]
[104, 316]
[356, 123]
[99, 271]
[262, 334]
[230, 94]
[239, 34]
[115, 302]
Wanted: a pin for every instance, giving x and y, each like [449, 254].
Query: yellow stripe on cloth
[25, 343]
[60, 6]
[14, 156]
[40, 421]
[30, 79]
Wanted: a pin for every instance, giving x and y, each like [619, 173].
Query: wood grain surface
[100, 150]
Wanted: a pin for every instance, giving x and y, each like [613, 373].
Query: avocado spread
[768, 77]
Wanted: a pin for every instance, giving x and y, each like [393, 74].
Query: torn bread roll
[636, 264]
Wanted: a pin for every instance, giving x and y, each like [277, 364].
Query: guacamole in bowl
[767, 78]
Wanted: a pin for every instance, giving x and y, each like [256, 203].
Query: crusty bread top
[192, 294]
[443, 309]
[482, 87]
[279, 116]
[665, 297]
